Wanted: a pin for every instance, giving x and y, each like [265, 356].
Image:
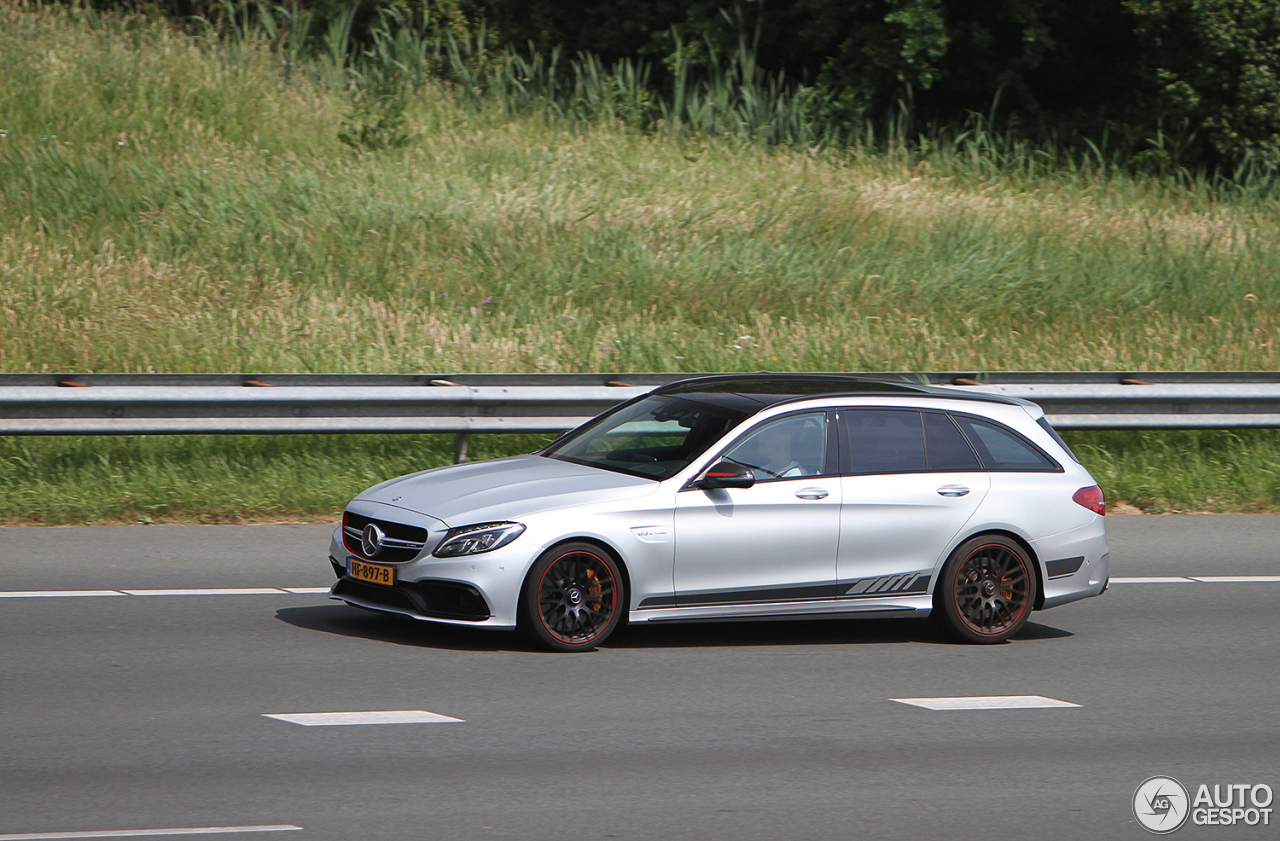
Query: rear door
[910, 483]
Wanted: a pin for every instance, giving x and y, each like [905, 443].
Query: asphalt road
[137, 712]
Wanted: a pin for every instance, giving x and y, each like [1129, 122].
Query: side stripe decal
[912, 582]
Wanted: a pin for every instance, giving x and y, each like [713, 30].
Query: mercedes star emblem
[371, 540]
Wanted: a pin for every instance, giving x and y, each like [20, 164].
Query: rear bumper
[1075, 564]
[1095, 585]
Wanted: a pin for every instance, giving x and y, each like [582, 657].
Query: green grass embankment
[179, 203]
[216, 479]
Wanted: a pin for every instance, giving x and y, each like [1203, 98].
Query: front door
[775, 541]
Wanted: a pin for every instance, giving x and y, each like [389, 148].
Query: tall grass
[211, 478]
[252, 195]
[239, 478]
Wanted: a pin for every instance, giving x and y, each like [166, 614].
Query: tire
[572, 598]
[986, 590]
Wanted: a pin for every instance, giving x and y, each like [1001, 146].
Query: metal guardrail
[156, 404]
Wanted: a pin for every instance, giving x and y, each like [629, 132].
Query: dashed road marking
[1237, 579]
[308, 591]
[144, 833]
[1157, 579]
[365, 717]
[202, 591]
[987, 702]
[56, 594]
[212, 591]
[1200, 579]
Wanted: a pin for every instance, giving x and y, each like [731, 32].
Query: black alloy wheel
[986, 590]
[573, 597]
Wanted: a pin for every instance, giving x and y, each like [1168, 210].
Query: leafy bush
[1215, 64]
[1162, 86]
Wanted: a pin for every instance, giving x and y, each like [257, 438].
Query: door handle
[953, 490]
[811, 493]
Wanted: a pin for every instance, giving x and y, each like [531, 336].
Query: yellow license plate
[373, 573]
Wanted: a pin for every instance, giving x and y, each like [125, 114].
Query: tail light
[1091, 498]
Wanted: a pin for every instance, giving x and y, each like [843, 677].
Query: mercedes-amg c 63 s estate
[743, 497]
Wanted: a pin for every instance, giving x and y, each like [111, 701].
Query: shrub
[1216, 65]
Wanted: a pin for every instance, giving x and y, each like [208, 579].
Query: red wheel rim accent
[992, 589]
[577, 597]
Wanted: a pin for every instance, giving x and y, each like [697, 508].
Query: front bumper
[420, 599]
[479, 590]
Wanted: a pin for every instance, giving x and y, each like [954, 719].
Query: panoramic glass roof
[767, 390]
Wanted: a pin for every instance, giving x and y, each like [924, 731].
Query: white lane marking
[208, 591]
[366, 717]
[1237, 579]
[140, 833]
[309, 591]
[211, 591]
[55, 594]
[986, 702]
[1153, 580]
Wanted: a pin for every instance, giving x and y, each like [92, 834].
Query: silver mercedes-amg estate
[741, 497]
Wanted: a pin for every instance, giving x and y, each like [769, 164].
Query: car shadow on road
[799, 632]
[351, 622]
[399, 630]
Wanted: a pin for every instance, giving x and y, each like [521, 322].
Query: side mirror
[727, 474]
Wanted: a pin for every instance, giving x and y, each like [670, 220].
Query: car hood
[506, 488]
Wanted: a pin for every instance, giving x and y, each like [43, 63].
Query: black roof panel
[767, 388]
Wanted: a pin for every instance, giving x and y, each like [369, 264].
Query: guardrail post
[460, 442]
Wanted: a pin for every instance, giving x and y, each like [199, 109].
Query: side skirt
[887, 608]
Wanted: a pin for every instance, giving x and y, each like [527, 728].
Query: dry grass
[174, 203]
[117, 313]
[197, 213]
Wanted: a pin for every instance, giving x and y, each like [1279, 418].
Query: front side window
[788, 448]
[654, 438]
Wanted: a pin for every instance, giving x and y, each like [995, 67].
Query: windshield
[655, 437]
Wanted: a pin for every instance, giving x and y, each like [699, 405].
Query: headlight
[472, 540]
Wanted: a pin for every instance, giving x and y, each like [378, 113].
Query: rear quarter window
[1053, 433]
[1000, 448]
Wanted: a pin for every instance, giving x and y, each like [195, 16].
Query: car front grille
[401, 543]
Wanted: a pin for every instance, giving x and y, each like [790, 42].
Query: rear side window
[1003, 449]
[1053, 433]
[948, 450]
[882, 441]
